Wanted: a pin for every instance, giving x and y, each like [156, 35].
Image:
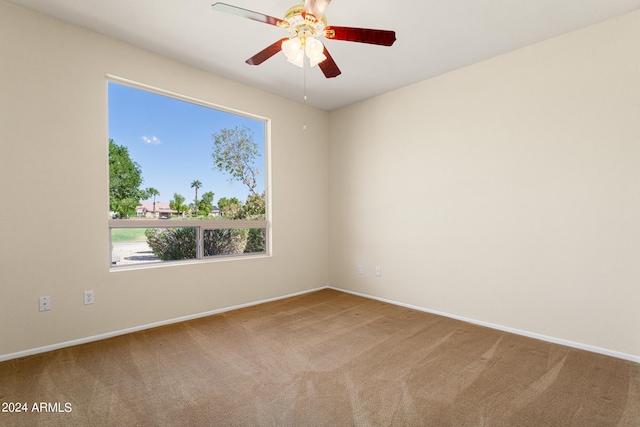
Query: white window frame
[199, 225]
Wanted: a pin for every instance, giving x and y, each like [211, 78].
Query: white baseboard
[541, 337]
[65, 344]
[534, 335]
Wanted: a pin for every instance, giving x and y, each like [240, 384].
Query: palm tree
[153, 192]
[197, 184]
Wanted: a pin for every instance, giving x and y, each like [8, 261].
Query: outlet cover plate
[88, 297]
[45, 303]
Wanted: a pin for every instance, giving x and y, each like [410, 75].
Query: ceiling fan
[305, 24]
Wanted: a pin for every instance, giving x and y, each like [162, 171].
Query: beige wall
[507, 192]
[54, 183]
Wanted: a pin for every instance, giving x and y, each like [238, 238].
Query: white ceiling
[433, 37]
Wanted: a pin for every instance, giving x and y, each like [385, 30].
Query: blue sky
[171, 141]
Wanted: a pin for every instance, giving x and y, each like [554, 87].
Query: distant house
[162, 210]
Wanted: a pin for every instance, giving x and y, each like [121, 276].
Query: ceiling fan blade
[316, 7]
[245, 13]
[361, 35]
[266, 53]
[329, 66]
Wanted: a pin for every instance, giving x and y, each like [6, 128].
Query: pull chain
[304, 85]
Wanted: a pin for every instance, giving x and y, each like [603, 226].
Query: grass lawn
[126, 235]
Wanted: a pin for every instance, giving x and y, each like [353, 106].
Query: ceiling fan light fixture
[292, 49]
[314, 47]
[315, 51]
[298, 59]
[316, 60]
[295, 49]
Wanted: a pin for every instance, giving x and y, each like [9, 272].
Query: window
[187, 179]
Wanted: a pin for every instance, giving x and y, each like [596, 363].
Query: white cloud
[151, 140]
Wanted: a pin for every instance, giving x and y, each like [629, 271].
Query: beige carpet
[322, 359]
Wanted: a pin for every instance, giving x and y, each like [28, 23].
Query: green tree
[205, 206]
[254, 207]
[234, 151]
[125, 178]
[152, 192]
[197, 184]
[177, 204]
[230, 208]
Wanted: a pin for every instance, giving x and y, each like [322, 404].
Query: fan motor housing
[301, 24]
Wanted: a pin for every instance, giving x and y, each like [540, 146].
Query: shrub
[172, 243]
[255, 240]
[180, 243]
[225, 241]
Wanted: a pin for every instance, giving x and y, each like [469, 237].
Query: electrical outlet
[88, 297]
[378, 271]
[45, 303]
[359, 269]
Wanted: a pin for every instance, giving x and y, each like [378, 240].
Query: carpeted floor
[322, 359]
